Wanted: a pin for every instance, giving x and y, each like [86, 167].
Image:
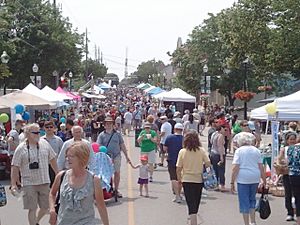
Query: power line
[120, 63]
[119, 57]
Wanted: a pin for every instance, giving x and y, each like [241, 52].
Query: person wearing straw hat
[114, 143]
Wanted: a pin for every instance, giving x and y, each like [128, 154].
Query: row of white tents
[175, 95]
[287, 109]
[31, 96]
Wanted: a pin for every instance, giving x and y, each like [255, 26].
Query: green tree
[39, 34]
[148, 70]
[99, 70]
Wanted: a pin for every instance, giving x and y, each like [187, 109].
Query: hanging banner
[275, 145]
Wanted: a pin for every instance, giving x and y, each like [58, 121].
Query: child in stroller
[104, 169]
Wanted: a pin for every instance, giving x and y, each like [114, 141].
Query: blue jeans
[219, 169]
[246, 194]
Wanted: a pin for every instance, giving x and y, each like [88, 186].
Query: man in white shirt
[77, 133]
[165, 130]
[127, 121]
[186, 115]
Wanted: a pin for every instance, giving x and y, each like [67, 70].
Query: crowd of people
[57, 153]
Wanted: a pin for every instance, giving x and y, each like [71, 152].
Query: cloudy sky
[148, 28]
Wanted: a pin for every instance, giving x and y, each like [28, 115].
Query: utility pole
[126, 63]
[86, 54]
[99, 55]
[101, 60]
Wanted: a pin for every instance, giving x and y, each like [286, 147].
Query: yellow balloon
[271, 108]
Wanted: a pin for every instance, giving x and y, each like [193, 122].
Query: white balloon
[19, 117]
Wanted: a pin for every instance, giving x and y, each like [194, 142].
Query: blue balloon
[26, 116]
[63, 120]
[103, 149]
[19, 108]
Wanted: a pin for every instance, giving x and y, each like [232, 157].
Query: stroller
[103, 168]
[5, 160]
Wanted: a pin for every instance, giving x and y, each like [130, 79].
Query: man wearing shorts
[31, 159]
[148, 142]
[114, 143]
[165, 130]
[172, 146]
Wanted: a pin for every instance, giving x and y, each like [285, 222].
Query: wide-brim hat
[109, 119]
[149, 125]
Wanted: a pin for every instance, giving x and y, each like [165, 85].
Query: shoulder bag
[57, 203]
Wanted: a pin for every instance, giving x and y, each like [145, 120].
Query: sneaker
[289, 218]
[177, 199]
[150, 179]
[119, 195]
[160, 164]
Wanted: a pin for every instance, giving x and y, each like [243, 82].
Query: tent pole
[267, 125]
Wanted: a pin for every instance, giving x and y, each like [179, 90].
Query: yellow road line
[131, 220]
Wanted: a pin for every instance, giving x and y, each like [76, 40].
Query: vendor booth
[180, 98]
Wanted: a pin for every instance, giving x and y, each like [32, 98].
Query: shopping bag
[209, 179]
[263, 206]
[3, 198]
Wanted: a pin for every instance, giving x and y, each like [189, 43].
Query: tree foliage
[148, 70]
[265, 31]
[32, 31]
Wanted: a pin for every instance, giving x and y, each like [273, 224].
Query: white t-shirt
[185, 117]
[144, 171]
[248, 158]
[128, 117]
[167, 128]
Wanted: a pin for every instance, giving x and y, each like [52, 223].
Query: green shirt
[146, 144]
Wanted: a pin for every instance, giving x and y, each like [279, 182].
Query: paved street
[215, 209]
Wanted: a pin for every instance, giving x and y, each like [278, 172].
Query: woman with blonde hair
[189, 171]
[77, 191]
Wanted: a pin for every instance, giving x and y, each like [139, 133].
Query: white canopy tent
[175, 95]
[28, 100]
[289, 103]
[149, 89]
[140, 85]
[87, 95]
[49, 91]
[96, 90]
[33, 90]
[288, 108]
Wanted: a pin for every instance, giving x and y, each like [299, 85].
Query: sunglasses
[35, 132]
[49, 127]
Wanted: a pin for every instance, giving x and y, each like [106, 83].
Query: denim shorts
[246, 194]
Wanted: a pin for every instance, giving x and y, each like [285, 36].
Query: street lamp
[55, 74]
[205, 70]
[245, 62]
[4, 60]
[149, 78]
[70, 76]
[35, 69]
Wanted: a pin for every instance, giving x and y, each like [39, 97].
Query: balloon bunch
[21, 114]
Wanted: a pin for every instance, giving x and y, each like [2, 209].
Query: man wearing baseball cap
[172, 146]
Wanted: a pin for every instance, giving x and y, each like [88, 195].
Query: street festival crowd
[70, 159]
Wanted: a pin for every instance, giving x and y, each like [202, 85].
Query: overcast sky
[149, 28]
